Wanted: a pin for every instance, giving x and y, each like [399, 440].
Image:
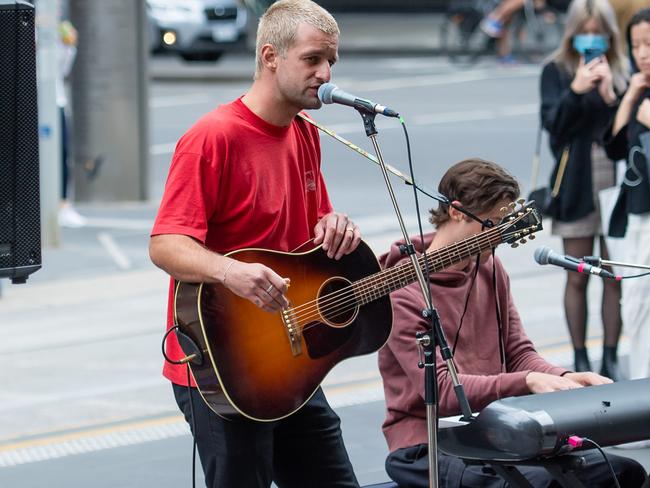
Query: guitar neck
[381, 284]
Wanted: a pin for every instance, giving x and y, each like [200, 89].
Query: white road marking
[121, 260]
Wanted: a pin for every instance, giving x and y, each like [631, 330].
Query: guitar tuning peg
[531, 237]
[521, 201]
[503, 210]
[514, 245]
[512, 205]
[523, 241]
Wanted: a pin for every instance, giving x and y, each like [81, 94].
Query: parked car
[198, 30]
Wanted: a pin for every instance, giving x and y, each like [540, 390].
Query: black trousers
[408, 467]
[304, 450]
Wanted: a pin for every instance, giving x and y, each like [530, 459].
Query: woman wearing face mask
[579, 91]
[630, 140]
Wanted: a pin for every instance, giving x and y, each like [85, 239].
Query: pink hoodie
[477, 352]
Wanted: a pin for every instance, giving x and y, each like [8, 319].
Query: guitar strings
[445, 255]
[350, 304]
[341, 301]
[406, 272]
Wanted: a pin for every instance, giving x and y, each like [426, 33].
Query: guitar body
[263, 365]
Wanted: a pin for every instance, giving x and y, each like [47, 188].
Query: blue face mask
[595, 44]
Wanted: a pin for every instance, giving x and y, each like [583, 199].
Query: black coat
[635, 189]
[576, 121]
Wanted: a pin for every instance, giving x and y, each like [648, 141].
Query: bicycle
[535, 30]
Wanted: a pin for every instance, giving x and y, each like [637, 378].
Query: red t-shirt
[236, 182]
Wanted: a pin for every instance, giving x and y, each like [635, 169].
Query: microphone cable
[189, 393]
[575, 441]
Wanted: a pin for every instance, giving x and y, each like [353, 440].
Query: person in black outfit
[579, 100]
[629, 140]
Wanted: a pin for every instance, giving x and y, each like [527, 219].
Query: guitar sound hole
[336, 302]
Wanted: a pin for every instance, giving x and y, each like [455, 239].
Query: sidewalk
[88, 314]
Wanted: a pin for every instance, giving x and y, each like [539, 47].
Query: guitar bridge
[293, 330]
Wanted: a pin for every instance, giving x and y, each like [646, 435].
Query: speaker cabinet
[20, 226]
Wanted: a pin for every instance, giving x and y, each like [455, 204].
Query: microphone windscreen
[542, 253]
[325, 92]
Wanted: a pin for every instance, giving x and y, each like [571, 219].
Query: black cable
[189, 393]
[635, 276]
[469, 291]
[164, 341]
[587, 439]
[502, 352]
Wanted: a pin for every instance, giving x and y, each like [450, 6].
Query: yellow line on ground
[73, 436]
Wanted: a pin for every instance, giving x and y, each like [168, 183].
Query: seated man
[494, 357]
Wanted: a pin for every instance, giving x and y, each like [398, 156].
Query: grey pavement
[72, 421]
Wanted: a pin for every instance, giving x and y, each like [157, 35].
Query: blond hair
[279, 24]
[580, 11]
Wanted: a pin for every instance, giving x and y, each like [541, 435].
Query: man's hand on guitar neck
[257, 283]
[338, 234]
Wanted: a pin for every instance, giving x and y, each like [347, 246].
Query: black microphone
[545, 255]
[330, 93]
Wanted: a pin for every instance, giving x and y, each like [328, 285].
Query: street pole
[47, 39]
[110, 101]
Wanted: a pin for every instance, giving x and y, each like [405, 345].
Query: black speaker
[20, 222]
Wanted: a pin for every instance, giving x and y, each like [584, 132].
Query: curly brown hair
[477, 184]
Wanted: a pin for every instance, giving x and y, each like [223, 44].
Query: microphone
[330, 93]
[545, 255]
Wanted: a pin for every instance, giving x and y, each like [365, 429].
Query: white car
[198, 30]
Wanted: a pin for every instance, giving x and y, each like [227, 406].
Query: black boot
[581, 360]
[609, 366]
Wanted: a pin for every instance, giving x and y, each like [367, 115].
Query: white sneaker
[69, 217]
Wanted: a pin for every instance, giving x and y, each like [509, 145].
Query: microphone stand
[598, 261]
[427, 340]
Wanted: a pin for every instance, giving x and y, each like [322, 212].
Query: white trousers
[635, 303]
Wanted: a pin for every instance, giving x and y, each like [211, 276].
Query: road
[83, 402]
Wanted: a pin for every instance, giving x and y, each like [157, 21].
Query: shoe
[508, 60]
[69, 217]
[492, 27]
[581, 360]
[609, 365]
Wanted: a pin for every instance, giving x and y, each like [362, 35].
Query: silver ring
[268, 290]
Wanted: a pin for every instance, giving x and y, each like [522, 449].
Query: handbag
[545, 197]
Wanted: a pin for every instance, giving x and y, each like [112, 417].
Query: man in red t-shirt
[247, 175]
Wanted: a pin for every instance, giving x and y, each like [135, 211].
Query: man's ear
[454, 214]
[269, 56]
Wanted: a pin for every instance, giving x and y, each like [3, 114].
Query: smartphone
[591, 54]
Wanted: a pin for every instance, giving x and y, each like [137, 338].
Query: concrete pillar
[110, 101]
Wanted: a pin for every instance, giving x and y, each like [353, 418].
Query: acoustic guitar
[265, 366]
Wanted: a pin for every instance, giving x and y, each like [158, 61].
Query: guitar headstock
[521, 223]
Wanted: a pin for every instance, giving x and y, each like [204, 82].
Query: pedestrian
[67, 52]
[629, 140]
[579, 92]
[247, 175]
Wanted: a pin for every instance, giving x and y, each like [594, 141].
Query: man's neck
[266, 105]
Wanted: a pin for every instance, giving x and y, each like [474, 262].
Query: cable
[575, 441]
[189, 394]
[635, 276]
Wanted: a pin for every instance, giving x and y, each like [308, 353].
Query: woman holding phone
[579, 91]
[630, 140]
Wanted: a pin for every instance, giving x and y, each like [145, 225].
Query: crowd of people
[223, 194]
